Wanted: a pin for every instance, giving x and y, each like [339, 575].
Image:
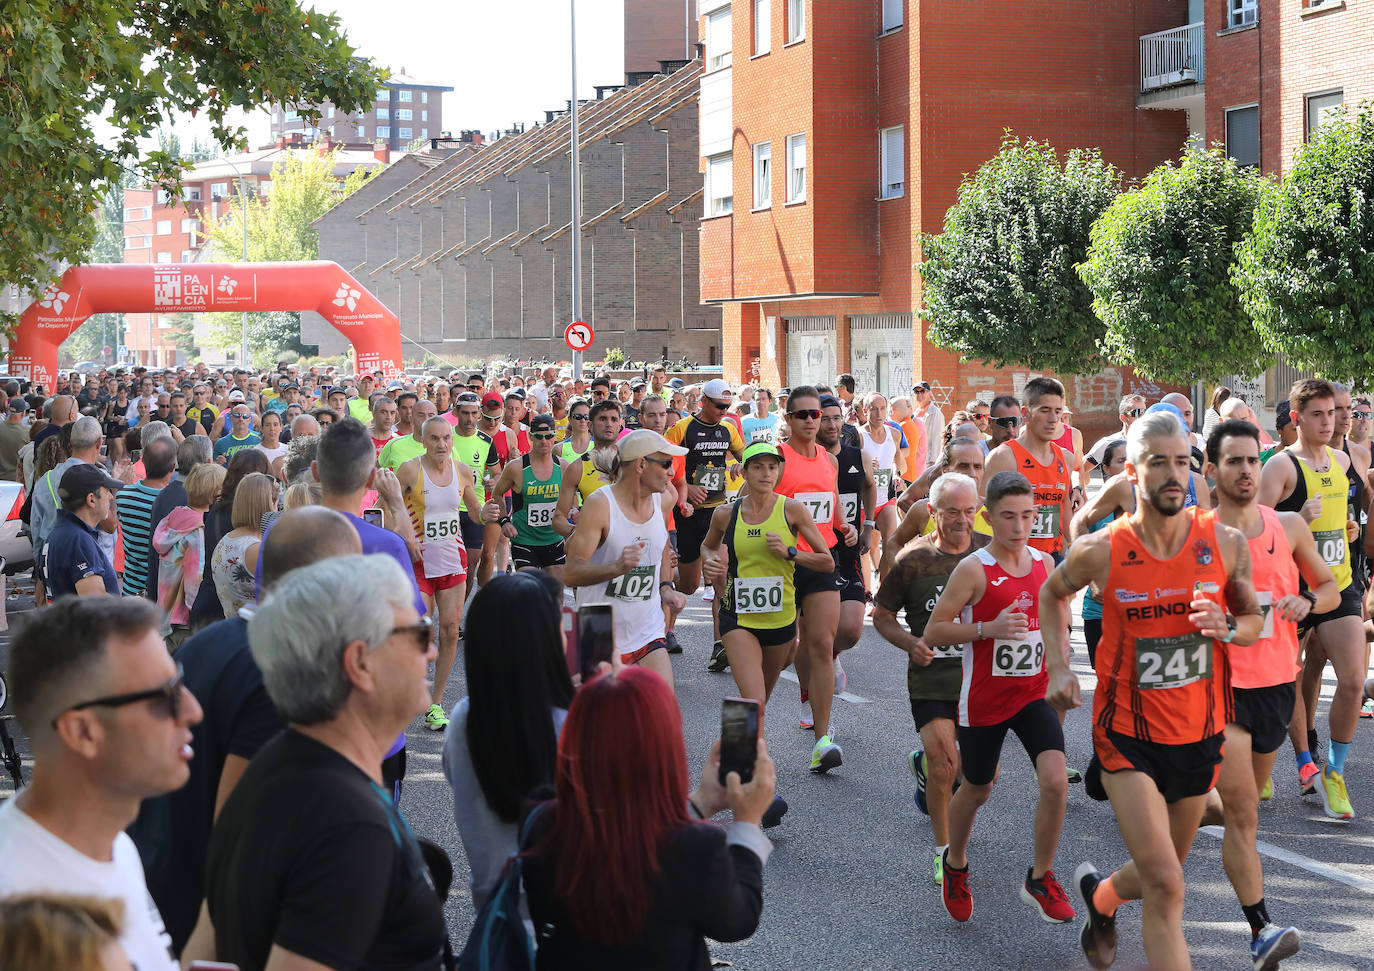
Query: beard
[1166, 505]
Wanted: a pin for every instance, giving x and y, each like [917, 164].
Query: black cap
[602, 380]
[921, 386]
[81, 480]
[830, 401]
[543, 423]
[18, 406]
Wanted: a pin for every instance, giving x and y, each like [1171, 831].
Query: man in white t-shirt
[109, 722]
[1132, 407]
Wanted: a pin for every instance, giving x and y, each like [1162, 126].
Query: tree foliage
[1001, 282]
[135, 63]
[1159, 266]
[1306, 272]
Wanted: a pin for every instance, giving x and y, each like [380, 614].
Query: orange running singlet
[1273, 659]
[1158, 679]
[814, 483]
[1051, 484]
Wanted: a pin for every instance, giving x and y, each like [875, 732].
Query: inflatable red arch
[96, 288]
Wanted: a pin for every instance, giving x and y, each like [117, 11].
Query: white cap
[644, 442]
[716, 388]
[236, 395]
[565, 373]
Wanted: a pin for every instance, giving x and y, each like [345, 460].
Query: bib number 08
[758, 595]
[1331, 545]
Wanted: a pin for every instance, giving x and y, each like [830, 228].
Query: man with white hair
[339, 879]
[86, 439]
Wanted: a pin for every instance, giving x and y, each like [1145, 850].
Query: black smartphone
[595, 637]
[374, 516]
[739, 737]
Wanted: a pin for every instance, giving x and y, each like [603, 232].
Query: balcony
[1170, 58]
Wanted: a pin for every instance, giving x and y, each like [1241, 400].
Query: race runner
[962, 455]
[534, 483]
[933, 677]
[991, 604]
[653, 415]
[884, 451]
[1169, 576]
[1034, 454]
[435, 486]
[474, 449]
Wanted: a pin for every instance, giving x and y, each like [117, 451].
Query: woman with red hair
[620, 873]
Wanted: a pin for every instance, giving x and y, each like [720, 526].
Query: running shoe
[1335, 800]
[939, 869]
[1075, 776]
[916, 762]
[1307, 778]
[435, 720]
[774, 813]
[807, 720]
[825, 755]
[719, 662]
[1272, 944]
[1099, 930]
[954, 891]
[1267, 792]
[708, 594]
[841, 679]
[671, 642]
[1048, 897]
[1367, 709]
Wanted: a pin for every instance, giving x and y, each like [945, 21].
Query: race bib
[761, 433]
[821, 505]
[758, 595]
[1019, 659]
[441, 526]
[1266, 602]
[636, 586]
[539, 515]
[1331, 545]
[849, 502]
[710, 477]
[1046, 522]
[882, 480]
[1172, 662]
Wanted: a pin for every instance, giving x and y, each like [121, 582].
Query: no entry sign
[578, 335]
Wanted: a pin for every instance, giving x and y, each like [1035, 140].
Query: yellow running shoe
[939, 869]
[1335, 800]
[1268, 792]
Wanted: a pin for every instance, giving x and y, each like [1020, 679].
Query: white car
[15, 548]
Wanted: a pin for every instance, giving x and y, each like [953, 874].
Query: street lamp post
[576, 194]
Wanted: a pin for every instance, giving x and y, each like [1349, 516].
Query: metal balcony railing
[1171, 57]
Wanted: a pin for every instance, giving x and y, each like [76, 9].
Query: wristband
[980, 630]
[665, 583]
[1309, 596]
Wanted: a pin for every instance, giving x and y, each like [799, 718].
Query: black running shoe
[774, 813]
[719, 662]
[1099, 932]
[670, 640]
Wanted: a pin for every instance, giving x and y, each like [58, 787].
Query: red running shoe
[1048, 898]
[958, 901]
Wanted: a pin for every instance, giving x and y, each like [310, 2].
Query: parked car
[15, 548]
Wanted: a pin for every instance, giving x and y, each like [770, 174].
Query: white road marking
[1303, 862]
[851, 698]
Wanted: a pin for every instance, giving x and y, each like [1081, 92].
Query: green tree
[87, 341]
[135, 63]
[1306, 272]
[304, 188]
[1001, 282]
[1159, 267]
[183, 336]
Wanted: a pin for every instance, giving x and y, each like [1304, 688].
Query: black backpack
[499, 941]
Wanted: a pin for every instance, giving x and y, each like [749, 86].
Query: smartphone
[374, 516]
[104, 451]
[739, 737]
[595, 637]
[569, 625]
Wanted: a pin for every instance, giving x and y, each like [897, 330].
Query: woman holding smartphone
[752, 544]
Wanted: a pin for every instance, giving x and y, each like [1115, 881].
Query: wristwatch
[791, 552]
[1310, 597]
[1230, 629]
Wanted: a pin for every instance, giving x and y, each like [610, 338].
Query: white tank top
[886, 454]
[441, 538]
[634, 596]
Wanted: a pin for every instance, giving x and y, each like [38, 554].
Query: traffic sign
[106, 351]
[578, 335]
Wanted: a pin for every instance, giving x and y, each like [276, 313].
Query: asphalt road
[849, 884]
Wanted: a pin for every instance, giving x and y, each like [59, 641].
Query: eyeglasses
[1133, 412]
[474, 387]
[423, 632]
[805, 413]
[580, 417]
[541, 436]
[1008, 421]
[170, 693]
[661, 463]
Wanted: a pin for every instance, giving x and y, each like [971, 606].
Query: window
[763, 26]
[383, 131]
[189, 225]
[893, 167]
[405, 133]
[329, 112]
[383, 94]
[164, 257]
[190, 194]
[359, 131]
[718, 40]
[164, 227]
[1242, 135]
[763, 175]
[188, 256]
[383, 114]
[403, 114]
[424, 132]
[405, 96]
[138, 242]
[162, 197]
[219, 190]
[424, 97]
[796, 168]
[424, 114]
[796, 20]
[720, 186]
[892, 14]
[138, 212]
[1242, 12]
[1323, 108]
[292, 115]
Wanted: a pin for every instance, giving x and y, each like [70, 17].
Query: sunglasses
[661, 463]
[423, 632]
[1359, 415]
[541, 436]
[718, 403]
[1008, 421]
[170, 693]
[240, 414]
[805, 413]
[1133, 412]
[580, 417]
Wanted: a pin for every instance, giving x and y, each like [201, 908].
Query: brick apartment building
[473, 253]
[834, 136]
[405, 109]
[161, 229]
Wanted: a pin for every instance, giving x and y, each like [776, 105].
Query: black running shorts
[1178, 771]
[850, 572]
[691, 532]
[1265, 714]
[926, 710]
[766, 636]
[538, 556]
[980, 746]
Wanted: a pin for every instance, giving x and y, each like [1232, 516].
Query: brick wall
[654, 31]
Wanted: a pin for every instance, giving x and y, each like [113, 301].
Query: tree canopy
[1001, 281]
[1306, 272]
[135, 63]
[1159, 266]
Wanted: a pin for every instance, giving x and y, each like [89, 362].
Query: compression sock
[1257, 916]
[1336, 760]
[1106, 899]
[1304, 758]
